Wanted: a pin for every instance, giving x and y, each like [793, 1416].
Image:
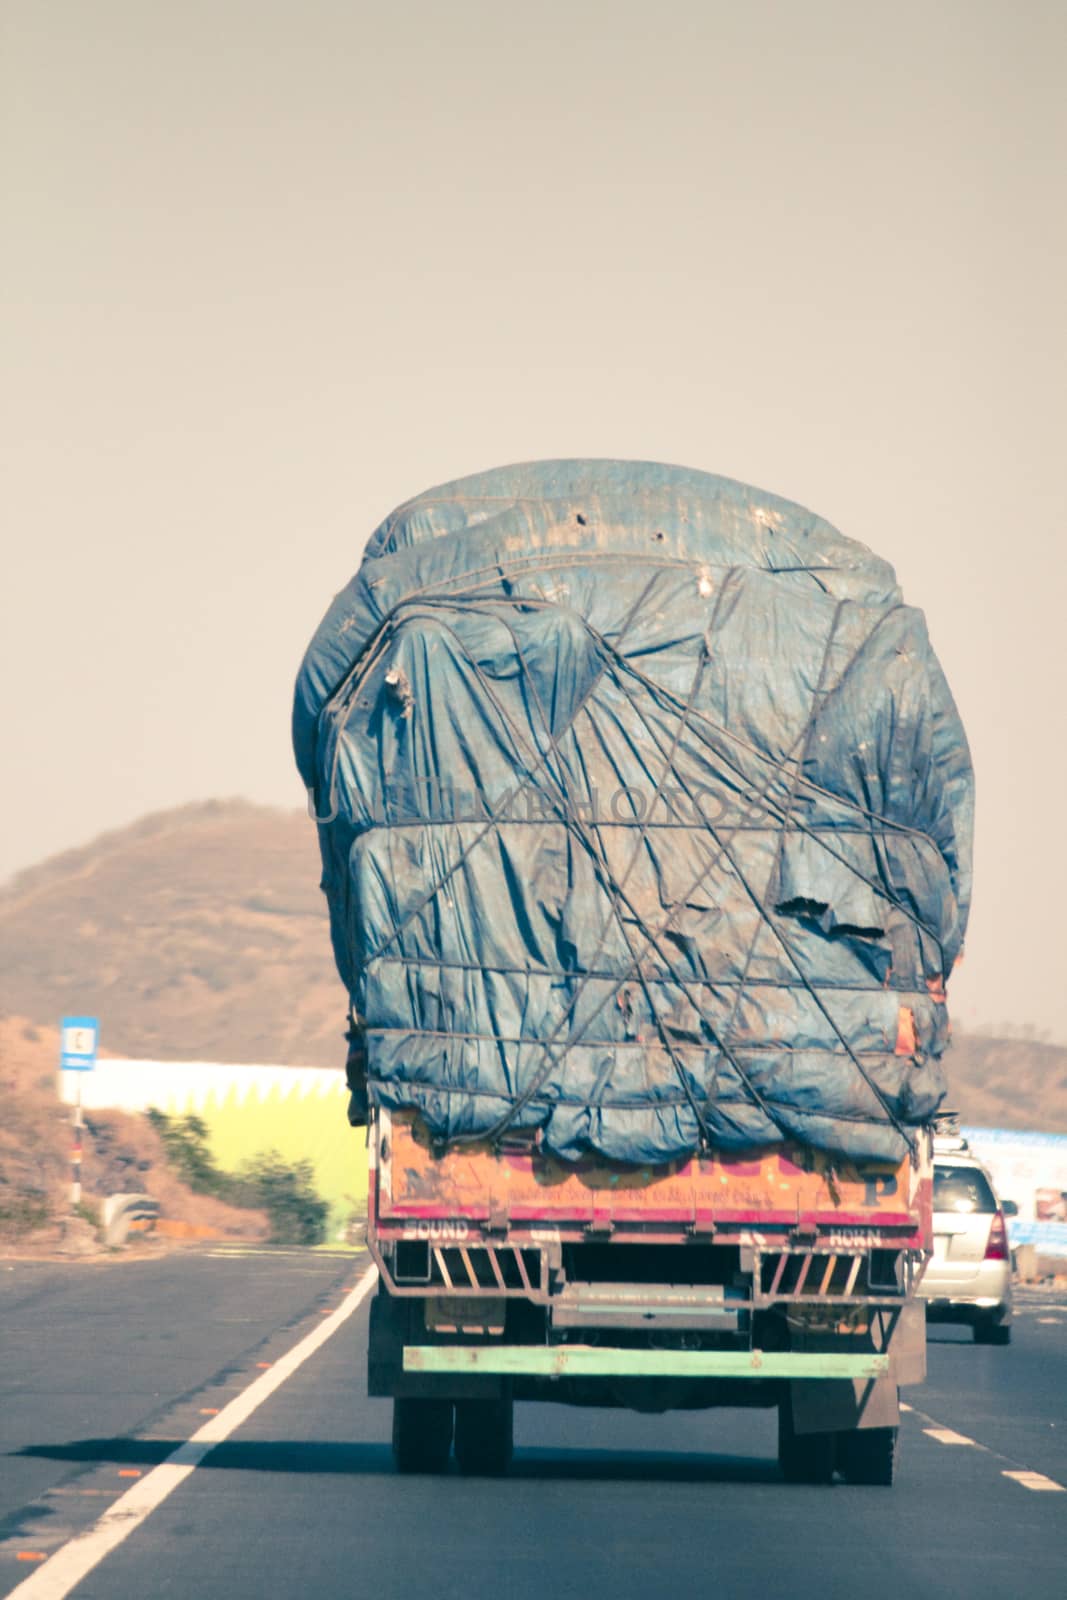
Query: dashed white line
[1018, 1474]
[1036, 1481]
[72, 1561]
[948, 1436]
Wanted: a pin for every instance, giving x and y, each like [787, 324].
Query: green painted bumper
[594, 1361]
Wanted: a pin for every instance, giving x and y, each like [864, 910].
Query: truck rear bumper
[597, 1361]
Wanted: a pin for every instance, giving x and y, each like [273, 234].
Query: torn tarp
[645, 814]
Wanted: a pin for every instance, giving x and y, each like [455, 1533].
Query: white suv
[969, 1278]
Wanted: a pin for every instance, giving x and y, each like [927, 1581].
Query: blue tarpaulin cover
[645, 816]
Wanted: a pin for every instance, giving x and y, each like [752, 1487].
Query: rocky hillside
[1008, 1083]
[201, 933]
[196, 934]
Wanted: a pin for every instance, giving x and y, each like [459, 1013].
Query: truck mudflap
[826, 1406]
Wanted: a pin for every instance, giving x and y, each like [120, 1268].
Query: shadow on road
[637, 1464]
[361, 1459]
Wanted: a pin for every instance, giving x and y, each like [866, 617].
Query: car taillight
[997, 1248]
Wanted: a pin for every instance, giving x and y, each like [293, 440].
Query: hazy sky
[270, 268]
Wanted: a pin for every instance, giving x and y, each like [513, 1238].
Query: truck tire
[804, 1457]
[867, 1455]
[422, 1435]
[484, 1437]
[986, 1332]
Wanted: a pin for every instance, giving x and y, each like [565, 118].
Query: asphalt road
[107, 1369]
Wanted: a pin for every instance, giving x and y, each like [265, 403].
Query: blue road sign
[78, 1043]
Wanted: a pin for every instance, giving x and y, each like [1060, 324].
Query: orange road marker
[264, 1364]
[31, 1555]
[129, 1472]
[209, 1411]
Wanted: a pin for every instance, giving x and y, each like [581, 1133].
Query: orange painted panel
[776, 1181]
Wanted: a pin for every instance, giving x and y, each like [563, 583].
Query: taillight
[997, 1249]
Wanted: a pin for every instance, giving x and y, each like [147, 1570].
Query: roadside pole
[78, 1037]
[76, 1154]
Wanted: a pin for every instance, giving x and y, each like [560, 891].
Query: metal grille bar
[487, 1271]
[795, 1278]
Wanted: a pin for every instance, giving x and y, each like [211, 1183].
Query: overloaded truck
[645, 817]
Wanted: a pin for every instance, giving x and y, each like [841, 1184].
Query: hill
[1008, 1083]
[201, 933]
[196, 934]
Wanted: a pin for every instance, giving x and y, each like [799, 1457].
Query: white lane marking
[1057, 1320]
[903, 1407]
[74, 1560]
[1024, 1475]
[1036, 1480]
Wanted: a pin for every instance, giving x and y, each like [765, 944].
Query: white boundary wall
[121, 1085]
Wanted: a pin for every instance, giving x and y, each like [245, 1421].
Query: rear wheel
[484, 1436]
[803, 1457]
[867, 1455]
[986, 1332]
[422, 1435]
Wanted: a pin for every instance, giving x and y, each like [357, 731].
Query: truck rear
[645, 819]
[775, 1277]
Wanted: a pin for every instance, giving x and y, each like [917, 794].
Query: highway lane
[1015, 1400]
[111, 1348]
[302, 1499]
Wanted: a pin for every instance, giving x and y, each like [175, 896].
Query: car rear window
[964, 1190]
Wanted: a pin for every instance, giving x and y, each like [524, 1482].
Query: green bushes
[185, 1141]
[284, 1190]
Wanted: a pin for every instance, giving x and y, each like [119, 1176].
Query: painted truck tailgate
[774, 1186]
